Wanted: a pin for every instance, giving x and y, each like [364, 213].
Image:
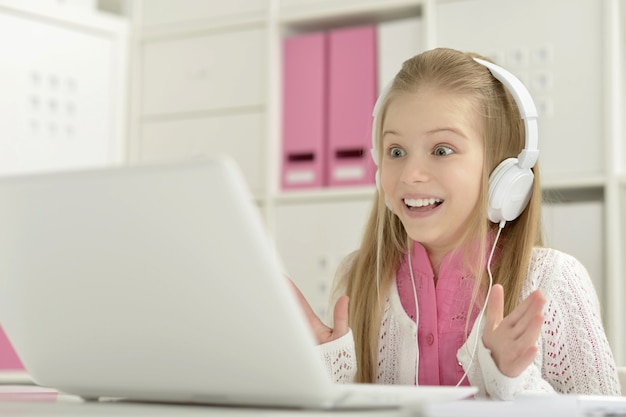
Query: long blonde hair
[385, 240]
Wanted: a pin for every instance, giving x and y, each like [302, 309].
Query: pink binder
[304, 111]
[9, 361]
[352, 94]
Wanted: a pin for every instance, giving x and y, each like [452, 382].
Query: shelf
[200, 114]
[200, 27]
[591, 188]
[346, 13]
[569, 195]
[325, 195]
[86, 20]
[572, 183]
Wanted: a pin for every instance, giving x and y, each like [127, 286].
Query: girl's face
[432, 165]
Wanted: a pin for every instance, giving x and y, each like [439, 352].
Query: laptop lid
[159, 283]
[153, 282]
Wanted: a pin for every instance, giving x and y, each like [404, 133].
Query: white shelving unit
[207, 79]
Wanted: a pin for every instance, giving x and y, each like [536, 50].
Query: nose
[416, 169]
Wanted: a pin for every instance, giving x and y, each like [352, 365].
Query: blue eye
[396, 152]
[442, 150]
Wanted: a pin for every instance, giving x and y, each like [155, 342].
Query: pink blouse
[442, 314]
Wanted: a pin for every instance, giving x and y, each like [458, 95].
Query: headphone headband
[375, 111]
[528, 157]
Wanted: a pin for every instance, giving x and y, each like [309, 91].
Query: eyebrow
[430, 132]
[446, 129]
[389, 132]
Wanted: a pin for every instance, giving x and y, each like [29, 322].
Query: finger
[532, 302]
[532, 314]
[534, 310]
[525, 360]
[340, 316]
[521, 352]
[493, 315]
[521, 362]
[530, 333]
[495, 307]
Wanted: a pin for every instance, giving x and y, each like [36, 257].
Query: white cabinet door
[577, 228]
[224, 70]
[313, 238]
[239, 136]
[541, 42]
[60, 100]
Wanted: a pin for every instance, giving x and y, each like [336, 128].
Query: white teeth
[421, 202]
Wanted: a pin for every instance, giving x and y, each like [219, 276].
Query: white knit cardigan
[574, 354]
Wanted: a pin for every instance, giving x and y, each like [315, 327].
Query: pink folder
[8, 358]
[352, 94]
[304, 111]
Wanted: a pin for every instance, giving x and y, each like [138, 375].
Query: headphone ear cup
[510, 188]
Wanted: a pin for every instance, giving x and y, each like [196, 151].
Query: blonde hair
[385, 240]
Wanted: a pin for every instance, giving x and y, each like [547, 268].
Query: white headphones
[511, 182]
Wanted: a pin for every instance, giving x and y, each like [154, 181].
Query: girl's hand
[321, 332]
[512, 340]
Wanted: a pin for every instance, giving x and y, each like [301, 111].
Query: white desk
[31, 402]
[73, 406]
[103, 409]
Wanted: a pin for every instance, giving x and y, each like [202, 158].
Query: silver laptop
[160, 283]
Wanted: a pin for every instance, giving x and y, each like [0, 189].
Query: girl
[435, 251]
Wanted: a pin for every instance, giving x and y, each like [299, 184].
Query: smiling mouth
[422, 203]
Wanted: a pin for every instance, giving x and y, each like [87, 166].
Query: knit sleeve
[483, 372]
[574, 356]
[339, 358]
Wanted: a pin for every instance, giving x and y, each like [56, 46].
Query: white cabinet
[62, 77]
[313, 238]
[219, 71]
[202, 95]
[63, 97]
[585, 241]
[200, 83]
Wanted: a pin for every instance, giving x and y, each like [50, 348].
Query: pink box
[352, 94]
[304, 111]
[8, 358]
